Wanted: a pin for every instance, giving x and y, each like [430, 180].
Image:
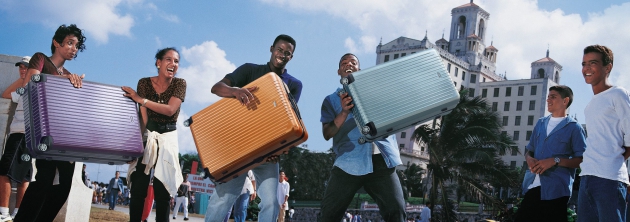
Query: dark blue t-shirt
[249, 72]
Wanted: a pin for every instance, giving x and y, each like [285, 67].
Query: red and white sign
[198, 184]
[409, 208]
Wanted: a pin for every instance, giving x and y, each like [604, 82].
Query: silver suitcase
[395, 95]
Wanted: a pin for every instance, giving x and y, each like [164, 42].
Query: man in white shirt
[604, 175]
[182, 197]
[247, 194]
[283, 196]
[12, 169]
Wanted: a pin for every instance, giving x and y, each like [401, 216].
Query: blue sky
[215, 37]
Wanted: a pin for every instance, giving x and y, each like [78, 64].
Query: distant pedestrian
[425, 215]
[114, 190]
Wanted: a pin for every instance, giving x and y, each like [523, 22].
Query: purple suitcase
[95, 123]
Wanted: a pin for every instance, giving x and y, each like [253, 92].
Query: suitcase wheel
[20, 91]
[36, 78]
[187, 122]
[365, 130]
[362, 140]
[42, 147]
[344, 81]
[25, 157]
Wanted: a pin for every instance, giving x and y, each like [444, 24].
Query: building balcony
[415, 153]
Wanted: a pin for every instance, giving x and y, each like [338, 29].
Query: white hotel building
[471, 65]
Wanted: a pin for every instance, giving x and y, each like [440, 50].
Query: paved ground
[180, 217]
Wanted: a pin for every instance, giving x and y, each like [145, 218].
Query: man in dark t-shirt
[267, 173]
[42, 201]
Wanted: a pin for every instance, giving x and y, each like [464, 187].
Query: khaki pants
[281, 214]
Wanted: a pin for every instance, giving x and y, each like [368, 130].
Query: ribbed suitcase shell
[232, 139]
[401, 93]
[95, 123]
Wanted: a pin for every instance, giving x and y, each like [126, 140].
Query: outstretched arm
[224, 89]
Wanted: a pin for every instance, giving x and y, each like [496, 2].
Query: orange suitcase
[232, 139]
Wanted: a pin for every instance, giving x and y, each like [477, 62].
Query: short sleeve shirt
[249, 72]
[176, 89]
[42, 63]
[352, 157]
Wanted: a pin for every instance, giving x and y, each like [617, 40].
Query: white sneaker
[4, 218]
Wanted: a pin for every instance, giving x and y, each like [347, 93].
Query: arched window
[541, 73]
[557, 77]
[481, 28]
[461, 27]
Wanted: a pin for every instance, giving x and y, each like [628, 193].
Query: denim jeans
[225, 194]
[113, 198]
[240, 207]
[601, 200]
[382, 185]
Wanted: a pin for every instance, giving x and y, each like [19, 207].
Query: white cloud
[185, 139]
[376, 19]
[208, 66]
[99, 18]
[520, 30]
[351, 45]
[158, 42]
[170, 18]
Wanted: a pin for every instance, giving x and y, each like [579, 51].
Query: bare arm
[253, 195]
[331, 128]
[224, 89]
[29, 73]
[543, 165]
[145, 119]
[75, 80]
[626, 154]
[7, 92]
[168, 109]
[165, 109]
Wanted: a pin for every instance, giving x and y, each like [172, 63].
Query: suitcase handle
[292, 100]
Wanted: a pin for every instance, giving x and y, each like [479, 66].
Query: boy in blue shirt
[554, 151]
[369, 165]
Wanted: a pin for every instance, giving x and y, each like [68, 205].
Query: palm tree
[414, 180]
[307, 171]
[464, 151]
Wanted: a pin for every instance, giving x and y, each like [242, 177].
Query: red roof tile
[546, 59]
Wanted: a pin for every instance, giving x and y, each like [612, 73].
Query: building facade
[472, 65]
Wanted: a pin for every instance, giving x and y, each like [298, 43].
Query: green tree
[464, 151]
[307, 171]
[186, 162]
[414, 180]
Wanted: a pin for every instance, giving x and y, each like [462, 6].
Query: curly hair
[63, 31]
[607, 54]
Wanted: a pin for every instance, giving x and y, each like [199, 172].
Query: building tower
[468, 32]
[546, 68]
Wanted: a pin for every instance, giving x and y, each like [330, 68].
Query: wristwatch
[557, 160]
